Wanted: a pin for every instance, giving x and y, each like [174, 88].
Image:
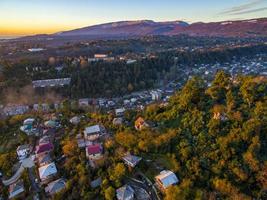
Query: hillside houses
[11, 110]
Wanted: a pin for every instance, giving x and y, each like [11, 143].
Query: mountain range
[125, 29]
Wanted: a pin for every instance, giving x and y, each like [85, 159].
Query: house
[119, 112]
[36, 49]
[16, 189]
[75, 120]
[44, 148]
[44, 159]
[23, 151]
[155, 95]
[80, 141]
[47, 172]
[45, 107]
[100, 56]
[96, 183]
[29, 121]
[117, 121]
[126, 192]
[131, 160]
[83, 102]
[11, 110]
[28, 126]
[165, 179]
[140, 124]
[94, 151]
[111, 103]
[51, 83]
[52, 124]
[55, 186]
[220, 116]
[35, 107]
[130, 61]
[45, 139]
[92, 133]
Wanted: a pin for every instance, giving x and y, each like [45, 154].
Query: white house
[23, 151]
[119, 112]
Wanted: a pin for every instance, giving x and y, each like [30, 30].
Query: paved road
[32, 177]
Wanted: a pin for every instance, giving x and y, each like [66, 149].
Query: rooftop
[125, 192]
[132, 160]
[92, 129]
[47, 170]
[167, 178]
[94, 149]
[55, 186]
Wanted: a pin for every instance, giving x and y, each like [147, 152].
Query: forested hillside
[213, 138]
[219, 145]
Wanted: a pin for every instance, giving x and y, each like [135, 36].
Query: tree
[110, 193]
[173, 192]
[130, 87]
[118, 172]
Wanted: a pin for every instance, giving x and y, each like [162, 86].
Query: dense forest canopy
[220, 142]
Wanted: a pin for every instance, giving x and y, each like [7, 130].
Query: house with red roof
[94, 151]
[44, 148]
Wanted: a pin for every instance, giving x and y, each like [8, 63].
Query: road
[32, 177]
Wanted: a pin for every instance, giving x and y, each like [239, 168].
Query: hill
[253, 28]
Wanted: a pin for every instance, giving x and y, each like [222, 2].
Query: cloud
[250, 11]
[244, 8]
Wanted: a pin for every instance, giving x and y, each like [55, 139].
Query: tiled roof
[44, 148]
[94, 149]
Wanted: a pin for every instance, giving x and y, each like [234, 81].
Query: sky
[28, 17]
